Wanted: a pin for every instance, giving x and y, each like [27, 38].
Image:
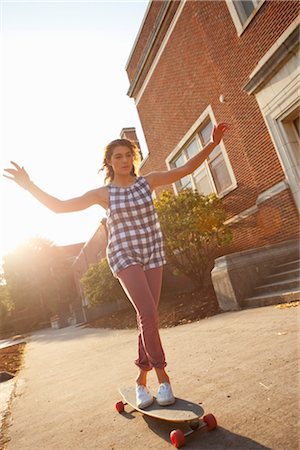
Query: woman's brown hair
[108, 151]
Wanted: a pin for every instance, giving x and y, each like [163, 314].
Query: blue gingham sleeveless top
[134, 233]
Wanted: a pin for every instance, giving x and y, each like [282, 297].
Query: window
[244, 8]
[214, 174]
[185, 182]
[243, 11]
[291, 124]
[296, 123]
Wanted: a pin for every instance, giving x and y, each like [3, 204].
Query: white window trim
[276, 104]
[189, 134]
[183, 152]
[240, 27]
[295, 108]
[272, 50]
[231, 173]
[191, 179]
[208, 112]
[207, 169]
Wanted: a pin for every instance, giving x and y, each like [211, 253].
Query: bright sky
[63, 98]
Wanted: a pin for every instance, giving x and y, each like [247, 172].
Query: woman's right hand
[19, 175]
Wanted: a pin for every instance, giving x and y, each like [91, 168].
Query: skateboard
[182, 411]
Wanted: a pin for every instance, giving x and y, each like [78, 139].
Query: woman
[135, 250]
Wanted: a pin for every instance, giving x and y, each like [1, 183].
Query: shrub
[194, 230]
[100, 286]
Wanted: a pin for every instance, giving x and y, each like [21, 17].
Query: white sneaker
[144, 398]
[165, 395]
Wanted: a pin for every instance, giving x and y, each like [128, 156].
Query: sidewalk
[242, 367]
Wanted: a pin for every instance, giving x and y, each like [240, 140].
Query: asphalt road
[241, 366]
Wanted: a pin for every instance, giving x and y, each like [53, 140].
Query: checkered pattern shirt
[134, 233]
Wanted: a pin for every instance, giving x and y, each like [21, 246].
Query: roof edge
[138, 34]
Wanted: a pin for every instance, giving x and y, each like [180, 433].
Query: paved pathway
[242, 366]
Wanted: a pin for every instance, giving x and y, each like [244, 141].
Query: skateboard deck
[182, 411]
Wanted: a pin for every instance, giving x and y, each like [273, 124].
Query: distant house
[196, 63]
[71, 251]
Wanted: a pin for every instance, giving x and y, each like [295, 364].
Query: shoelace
[164, 387]
[142, 389]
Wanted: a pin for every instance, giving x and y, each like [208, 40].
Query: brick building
[197, 63]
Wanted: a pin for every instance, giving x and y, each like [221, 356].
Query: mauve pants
[143, 290]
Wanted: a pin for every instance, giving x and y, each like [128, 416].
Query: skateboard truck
[177, 436]
[208, 421]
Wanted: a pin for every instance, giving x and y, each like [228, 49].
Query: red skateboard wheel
[177, 438]
[120, 407]
[210, 421]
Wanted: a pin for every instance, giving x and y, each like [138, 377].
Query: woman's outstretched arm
[156, 179]
[21, 177]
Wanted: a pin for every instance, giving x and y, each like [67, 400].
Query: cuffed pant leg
[135, 283]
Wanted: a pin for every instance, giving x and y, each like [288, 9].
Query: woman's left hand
[218, 132]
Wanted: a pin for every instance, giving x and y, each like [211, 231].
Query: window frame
[183, 152]
[193, 134]
[289, 134]
[239, 25]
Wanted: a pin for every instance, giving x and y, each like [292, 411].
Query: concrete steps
[282, 285]
[290, 265]
[282, 276]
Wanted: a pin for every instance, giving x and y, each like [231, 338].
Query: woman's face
[121, 160]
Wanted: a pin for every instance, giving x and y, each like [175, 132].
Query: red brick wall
[275, 221]
[129, 133]
[204, 58]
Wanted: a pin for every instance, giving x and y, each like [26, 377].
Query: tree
[100, 286]
[194, 230]
[6, 306]
[37, 275]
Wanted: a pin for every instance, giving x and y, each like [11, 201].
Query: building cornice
[159, 30]
[274, 58]
[138, 34]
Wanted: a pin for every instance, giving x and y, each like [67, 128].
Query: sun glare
[63, 98]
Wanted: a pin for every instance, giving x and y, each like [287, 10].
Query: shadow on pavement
[218, 439]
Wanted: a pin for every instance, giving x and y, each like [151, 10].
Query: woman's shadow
[218, 439]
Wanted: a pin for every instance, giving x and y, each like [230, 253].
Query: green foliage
[194, 230]
[100, 286]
